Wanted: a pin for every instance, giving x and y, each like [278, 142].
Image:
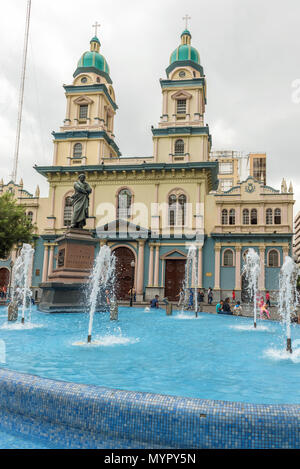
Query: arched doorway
[4, 277]
[124, 272]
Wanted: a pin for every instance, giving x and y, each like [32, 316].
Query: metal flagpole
[21, 93]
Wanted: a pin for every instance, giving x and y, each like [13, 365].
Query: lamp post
[132, 264]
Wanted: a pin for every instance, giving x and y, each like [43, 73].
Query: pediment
[174, 254]
[83, 100]
[181, 94]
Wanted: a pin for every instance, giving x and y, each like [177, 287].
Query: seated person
[200, 297]
[226, 307]
[237, 310]
[219, 307]
[154, 302]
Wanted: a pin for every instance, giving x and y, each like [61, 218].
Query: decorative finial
[186, 18]
[21, 183]
[96, 26]
[291, 189]
[283, 186]
[37, 191]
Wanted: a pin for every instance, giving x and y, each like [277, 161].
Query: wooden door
[175, 270]
[124, 272]
[4, 277]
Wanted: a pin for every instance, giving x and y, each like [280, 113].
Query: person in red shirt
[233, 295]
[268, 303]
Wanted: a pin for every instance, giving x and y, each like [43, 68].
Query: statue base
[65, 290]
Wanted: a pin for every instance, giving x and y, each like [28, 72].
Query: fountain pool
[209, 357]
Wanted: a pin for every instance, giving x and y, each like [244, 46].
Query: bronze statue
[80, 202]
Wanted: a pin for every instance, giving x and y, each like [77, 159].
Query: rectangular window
[226, 184]
[225, 168]
[181, 106]
[83, 111]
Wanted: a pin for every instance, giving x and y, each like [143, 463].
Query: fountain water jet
[191, 276]
[101, 279]
[251, 270]
[288, 296]
[21, 292]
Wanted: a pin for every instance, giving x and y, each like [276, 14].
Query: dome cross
[96, 26]
[186, 18]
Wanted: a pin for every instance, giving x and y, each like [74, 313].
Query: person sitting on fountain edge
[154, 302]
[226, 307]
[219, 307]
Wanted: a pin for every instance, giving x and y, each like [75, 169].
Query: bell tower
[181, 135]
[87, 135]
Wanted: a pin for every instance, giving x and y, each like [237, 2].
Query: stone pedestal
[65, 289]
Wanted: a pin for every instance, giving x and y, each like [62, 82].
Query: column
[165, 103]
[55, 153]
[238, 284]
[45, 264]
[140, 279]
[163, 262]
[150, 274]
[51, 259]
[217, 267]
[200, 268]
[156, 268]
[262, 251]
[53, 201]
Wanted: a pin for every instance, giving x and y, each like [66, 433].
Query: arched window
[228, 258]
[224, 216]
[77, 150]
[277, 216]
[172, 209]
[246, 218]
[232, 217]
[181, 210]
[177, 209]
[124, 204]
[68, 211]
[179, 147]
[273, 258]
[30, 216]
[269, 216]
[253, 216]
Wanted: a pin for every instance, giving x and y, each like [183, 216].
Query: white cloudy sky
[249, 50]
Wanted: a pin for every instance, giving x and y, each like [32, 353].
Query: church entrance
[4, 277]
[124, 272]
[175, 270]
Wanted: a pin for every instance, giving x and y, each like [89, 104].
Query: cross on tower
[186, 18]
[96, 26]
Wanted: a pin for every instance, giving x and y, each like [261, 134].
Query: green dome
[95, 60]
[185, 52]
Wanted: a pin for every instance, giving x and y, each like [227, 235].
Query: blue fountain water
[212, 357]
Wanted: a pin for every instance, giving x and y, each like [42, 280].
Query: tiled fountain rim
[145, 419]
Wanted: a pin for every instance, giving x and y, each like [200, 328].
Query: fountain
[191, 277]
[288, 296]
[21, 292]
[251, 270]
[101, 282]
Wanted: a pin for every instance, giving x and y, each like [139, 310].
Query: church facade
[149, 210]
